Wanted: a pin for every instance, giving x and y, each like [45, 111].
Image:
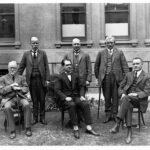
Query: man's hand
[14, 84]
[133, 94]
[123, 95]
[102, 96]
[16, 88]
[82, 98]
[47, 83]
[87, 83]
[68, 99]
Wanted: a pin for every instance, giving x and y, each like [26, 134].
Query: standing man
[110, 68]
[71, 96]
[37, 76]
[13, 89]
[134, 91]
[82, 66]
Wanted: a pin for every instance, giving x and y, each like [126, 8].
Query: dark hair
[138, 58]
[65, 59]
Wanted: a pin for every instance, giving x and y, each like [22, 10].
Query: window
[7, 22]
[117, 20]
[73, 21]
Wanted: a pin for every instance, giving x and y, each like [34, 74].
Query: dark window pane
[116, 7]
[121, 17]
[73, 18]
[7, 23]
[73, 9]
[6, 8]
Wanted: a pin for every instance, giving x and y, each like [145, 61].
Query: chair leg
[139, 120]
[5, 124]
[142, 118]
[62, 119]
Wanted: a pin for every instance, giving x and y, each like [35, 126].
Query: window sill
[15, 44]
[133, 42]
[147, 42]
[89, 44]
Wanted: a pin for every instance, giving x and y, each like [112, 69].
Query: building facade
[57, 24]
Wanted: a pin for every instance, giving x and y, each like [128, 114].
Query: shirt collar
[110, 50]
[139, 72]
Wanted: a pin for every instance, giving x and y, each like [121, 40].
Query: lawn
[52, 135]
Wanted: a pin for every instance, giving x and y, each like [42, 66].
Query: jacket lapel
[66, 79]
[105, 56]
[114, 54]
[142, 74]
[30, 57]
[80, 55]
[39, 56]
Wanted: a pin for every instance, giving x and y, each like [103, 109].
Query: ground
[52, 134]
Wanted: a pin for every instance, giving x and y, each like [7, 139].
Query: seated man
[13, 88]
[70, 94]
[134, 91]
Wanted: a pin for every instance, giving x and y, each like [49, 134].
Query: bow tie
[68, 73]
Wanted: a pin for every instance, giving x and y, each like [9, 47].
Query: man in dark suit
[110, 68]
[71, 96]
[134, 91]
[13, 89]
[37, 76]
[82, 67]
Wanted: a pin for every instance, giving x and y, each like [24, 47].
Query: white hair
[12, 64]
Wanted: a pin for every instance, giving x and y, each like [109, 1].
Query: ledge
[89, 44]
[147, 42]
[15, 44]
[133, 42]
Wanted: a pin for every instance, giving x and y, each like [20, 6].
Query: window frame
[120, 11]
[15, 41]
[69, 39]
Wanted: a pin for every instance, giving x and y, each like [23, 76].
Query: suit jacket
[6, 91]
[85, 66]
[26, 62]
[119, 65]
[64, 88]
[142, 87]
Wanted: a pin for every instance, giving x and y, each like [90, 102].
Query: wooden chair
[140, 116]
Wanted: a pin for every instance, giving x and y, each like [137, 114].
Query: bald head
[75, 40]
[35, 43]
[76, 45]
[12, 67]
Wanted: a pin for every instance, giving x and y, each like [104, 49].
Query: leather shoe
[12, 135]
[115, 129]
[92, 132]
[128, 140]
[76, 134]
[107, 119]
[42, 121]
[28, 132]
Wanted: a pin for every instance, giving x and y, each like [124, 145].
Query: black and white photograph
[75, 73]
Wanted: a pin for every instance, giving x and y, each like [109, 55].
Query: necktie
[135, 75]
[13, 78]
[34, 54]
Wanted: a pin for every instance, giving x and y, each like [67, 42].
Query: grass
[52, 135]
